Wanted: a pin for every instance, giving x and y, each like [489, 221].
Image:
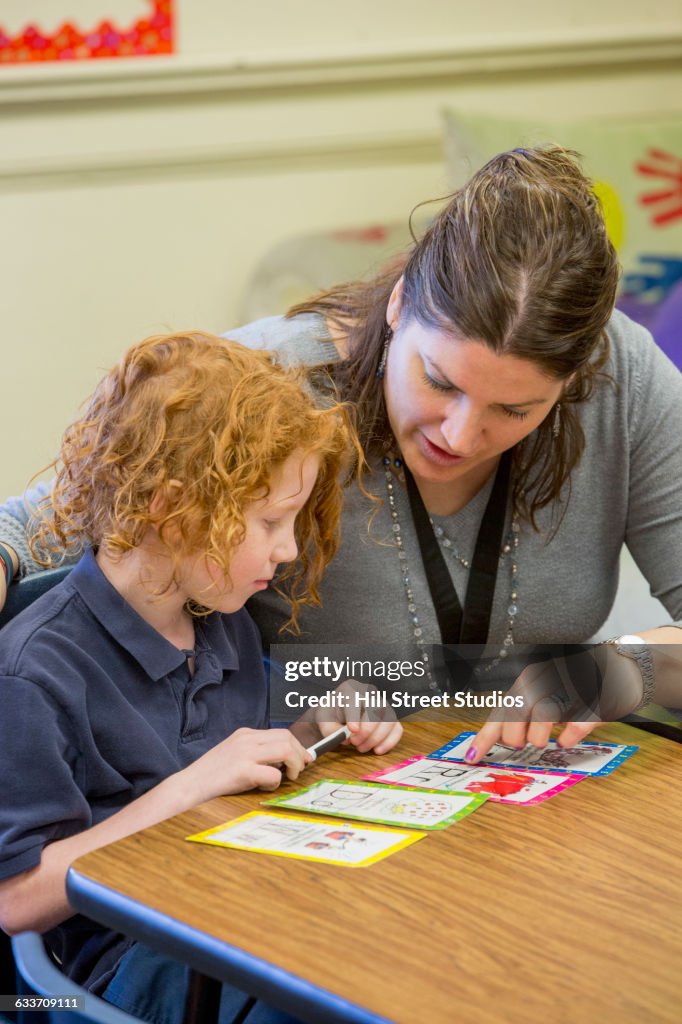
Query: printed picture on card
[412, 808]
[499, 784]
[584, 759]
[342, 843]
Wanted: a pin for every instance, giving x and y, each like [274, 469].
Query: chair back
[45, 979]
[24, 592]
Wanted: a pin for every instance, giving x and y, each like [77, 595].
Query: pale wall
[138, 196]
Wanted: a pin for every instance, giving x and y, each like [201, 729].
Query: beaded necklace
[393, 466]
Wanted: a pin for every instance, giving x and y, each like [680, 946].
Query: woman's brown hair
[518, 258]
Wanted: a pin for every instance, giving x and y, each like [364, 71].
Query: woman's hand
[4, 582]
[560, 691]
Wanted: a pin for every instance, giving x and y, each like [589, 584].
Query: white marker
[331, 742]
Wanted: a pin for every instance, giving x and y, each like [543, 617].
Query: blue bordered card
[585, 759]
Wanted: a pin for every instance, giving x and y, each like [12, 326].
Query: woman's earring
[556, 428]
[381, 368]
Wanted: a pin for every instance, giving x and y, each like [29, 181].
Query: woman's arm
[666, 649]
[9, 567]
[15, 528]
[544, 687]
[653, 531]
[652, 387]
[654, 523]
[15, 520]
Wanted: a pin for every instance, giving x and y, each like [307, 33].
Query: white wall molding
[264, 157]
[105, 122]
[161, 77]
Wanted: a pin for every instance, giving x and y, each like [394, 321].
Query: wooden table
[569, 911]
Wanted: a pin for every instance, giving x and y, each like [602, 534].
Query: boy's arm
[36, 899]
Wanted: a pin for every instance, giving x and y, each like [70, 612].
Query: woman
[506, 407]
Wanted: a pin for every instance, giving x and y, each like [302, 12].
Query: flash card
[503, 785]
[585, 759]
[410, 807]
[342, 843]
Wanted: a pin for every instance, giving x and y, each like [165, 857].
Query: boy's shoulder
[83, 627]
[33, 632]
[68, 633]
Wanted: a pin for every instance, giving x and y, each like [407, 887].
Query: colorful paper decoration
[147, 36]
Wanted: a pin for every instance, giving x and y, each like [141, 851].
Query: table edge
[212, 956]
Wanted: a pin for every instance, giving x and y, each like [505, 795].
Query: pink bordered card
[503, 785]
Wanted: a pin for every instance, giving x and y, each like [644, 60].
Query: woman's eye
[437, 385]
[514, 414]
[441, 385]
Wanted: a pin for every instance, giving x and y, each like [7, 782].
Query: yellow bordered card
[321, 839]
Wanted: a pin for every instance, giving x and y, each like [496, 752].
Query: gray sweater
[626, 489]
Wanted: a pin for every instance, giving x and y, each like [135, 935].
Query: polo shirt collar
[156, 655]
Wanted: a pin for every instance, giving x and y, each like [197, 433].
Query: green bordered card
[407, 806]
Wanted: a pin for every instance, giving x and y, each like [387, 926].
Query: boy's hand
[248, 759]
[378, 737]
[371, 728]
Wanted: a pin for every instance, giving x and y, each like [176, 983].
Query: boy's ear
[164, 500]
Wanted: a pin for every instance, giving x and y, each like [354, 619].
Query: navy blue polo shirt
[96, 708]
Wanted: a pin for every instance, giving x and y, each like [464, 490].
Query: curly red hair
[217, 417]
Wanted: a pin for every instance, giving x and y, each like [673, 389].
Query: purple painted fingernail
[470, 754]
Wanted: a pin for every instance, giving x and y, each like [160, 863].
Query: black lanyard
[468, 625]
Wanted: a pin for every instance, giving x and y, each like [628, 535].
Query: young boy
[135, 689]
